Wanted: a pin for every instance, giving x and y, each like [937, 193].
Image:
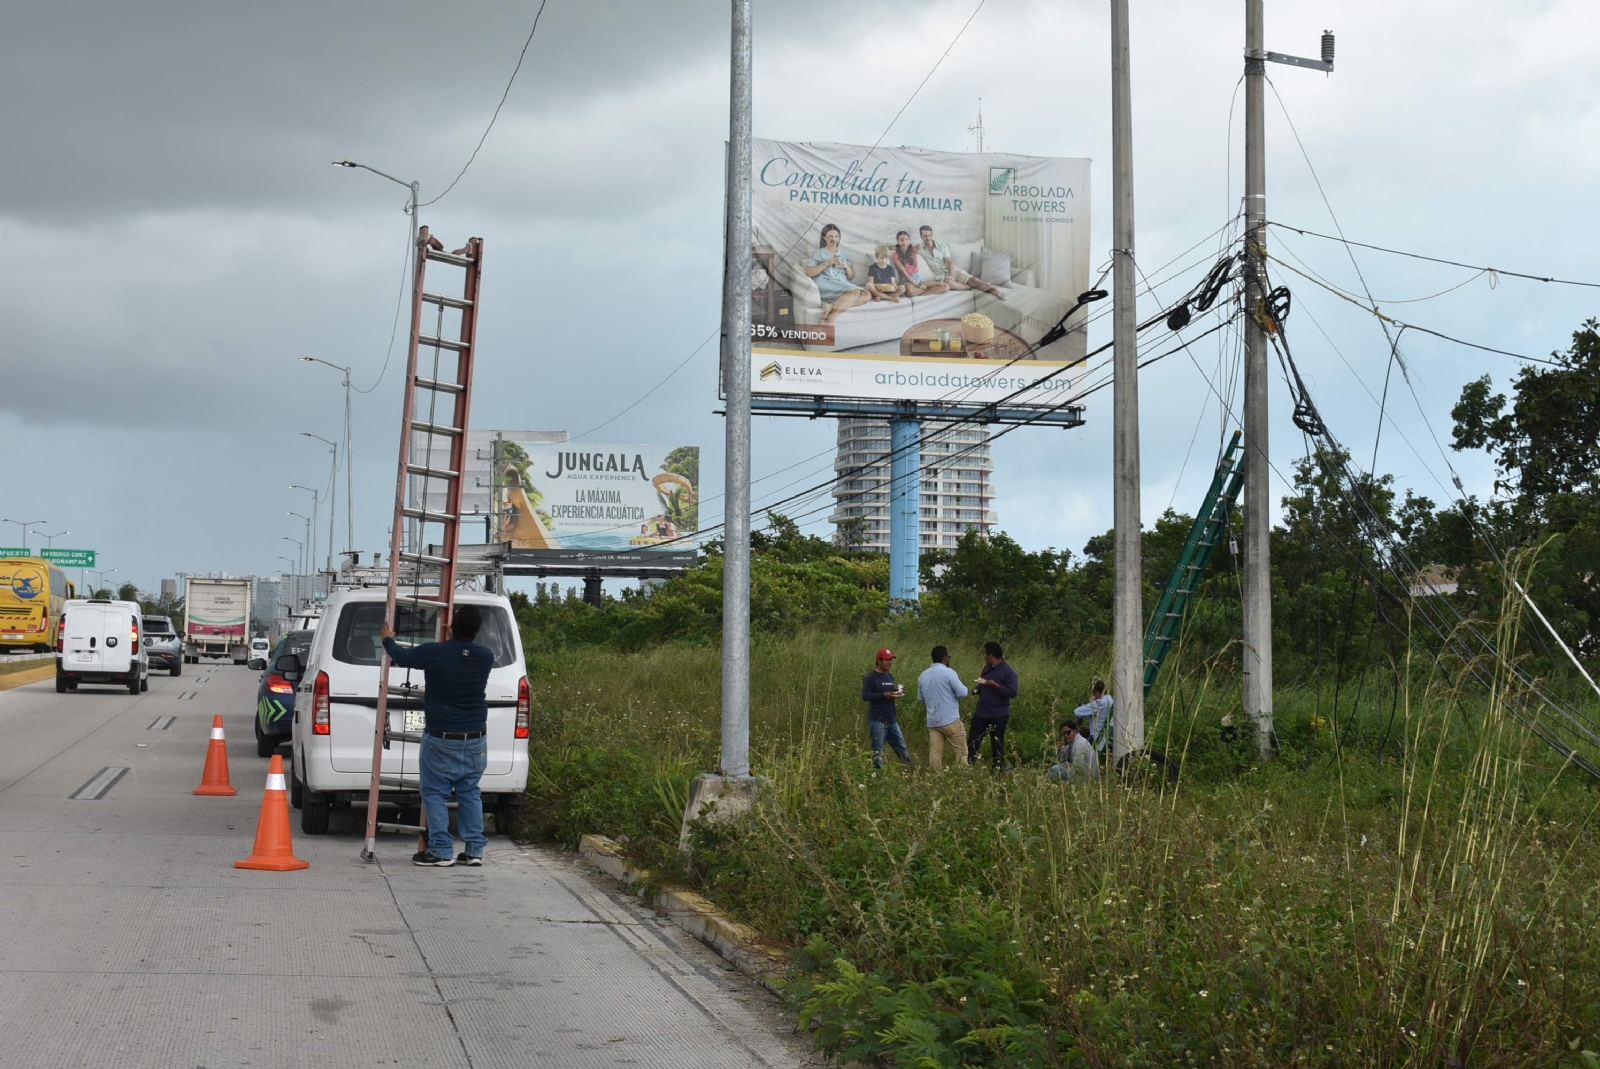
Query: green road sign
[14, 551]
[69, 558]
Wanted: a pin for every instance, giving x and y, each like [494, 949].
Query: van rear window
[356, 641]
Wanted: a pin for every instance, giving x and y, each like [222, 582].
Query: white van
[260, 650]
[98, 642]
[337, 698]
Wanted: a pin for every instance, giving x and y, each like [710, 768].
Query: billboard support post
[905, 497]
[736, 384]
[1127, 606]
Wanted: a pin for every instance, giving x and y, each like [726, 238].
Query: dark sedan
[275, 695]
[163, 644]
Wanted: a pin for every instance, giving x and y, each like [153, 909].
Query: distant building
[957, 483]
[169, 590]
[1434, 580]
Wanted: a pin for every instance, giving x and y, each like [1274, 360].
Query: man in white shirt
[941, 691]
[1096, 714]
[1075, 758]
[940, 266]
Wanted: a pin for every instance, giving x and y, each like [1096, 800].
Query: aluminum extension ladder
[434, 414]
[1209, 528]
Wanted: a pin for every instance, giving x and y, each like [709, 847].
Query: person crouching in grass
[1075, 758]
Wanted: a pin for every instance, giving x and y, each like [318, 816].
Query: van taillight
[524, 708]
[133, 632]
[320, 724]
[61, 633]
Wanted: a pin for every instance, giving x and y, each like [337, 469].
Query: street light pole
[333, 481]
[50, 539]
[349, 483]
[25, 526]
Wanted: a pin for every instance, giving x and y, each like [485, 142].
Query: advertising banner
[910, 274]
[537, 491]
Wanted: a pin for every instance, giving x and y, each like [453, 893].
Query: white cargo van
[99, 642]
[336, 702]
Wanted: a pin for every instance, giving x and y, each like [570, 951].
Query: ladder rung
[434, 428]
[449, 258]
[428, 517]
[442, 387]
[412, 829]
[424, 558]
[446, 301]
[432, 473]
[402, 736]
[442, 343]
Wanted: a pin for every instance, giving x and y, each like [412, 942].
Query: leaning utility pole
[1257, 468]
[1128, 610]
[736, 384]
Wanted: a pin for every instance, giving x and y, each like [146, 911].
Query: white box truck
[217, 620]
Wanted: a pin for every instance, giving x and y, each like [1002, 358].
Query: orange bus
[33, 593]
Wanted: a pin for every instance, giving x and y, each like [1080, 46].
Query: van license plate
[83, 656]
[414, 721]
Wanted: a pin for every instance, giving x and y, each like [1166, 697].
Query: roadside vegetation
[1412, 879]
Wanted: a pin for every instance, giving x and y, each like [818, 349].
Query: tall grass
[1415, 892]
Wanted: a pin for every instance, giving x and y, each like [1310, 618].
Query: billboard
[536, 490]
[910, 274]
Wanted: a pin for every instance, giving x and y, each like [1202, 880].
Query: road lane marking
[98, 787]
[161, 723]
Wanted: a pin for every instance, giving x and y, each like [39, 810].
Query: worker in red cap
[879, 690]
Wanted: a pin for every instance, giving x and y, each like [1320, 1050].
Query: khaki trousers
[955, 736]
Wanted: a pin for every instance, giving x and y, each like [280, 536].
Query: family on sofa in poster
[902, 269]
[872, 292]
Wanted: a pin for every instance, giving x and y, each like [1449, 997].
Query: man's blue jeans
[887, 731]
[454, 765]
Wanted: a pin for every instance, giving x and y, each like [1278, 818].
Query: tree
[1545, 444]
[127, 592]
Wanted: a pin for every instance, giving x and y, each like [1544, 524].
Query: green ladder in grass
[1210, 527]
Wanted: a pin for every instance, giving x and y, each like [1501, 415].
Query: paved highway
[131, 940]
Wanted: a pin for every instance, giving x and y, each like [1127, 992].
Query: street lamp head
[345, 163]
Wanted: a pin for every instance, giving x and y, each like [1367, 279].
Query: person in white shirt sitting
[1075, 758]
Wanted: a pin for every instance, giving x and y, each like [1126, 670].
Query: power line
[1436, 259]
[681, 365]
[509, 82]
[399, 300]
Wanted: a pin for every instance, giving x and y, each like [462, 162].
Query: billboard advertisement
[910, 274]
[538, 491]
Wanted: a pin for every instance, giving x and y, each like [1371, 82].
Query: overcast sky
[178, 239]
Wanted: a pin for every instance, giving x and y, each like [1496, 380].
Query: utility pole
[1257, 466]
[1257, 469]
[736, 384]
[1127, 608]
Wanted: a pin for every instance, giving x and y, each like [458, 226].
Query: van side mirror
[289, 667]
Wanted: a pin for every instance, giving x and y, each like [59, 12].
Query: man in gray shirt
[940, 690]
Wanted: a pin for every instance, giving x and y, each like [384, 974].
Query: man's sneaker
[432, 860]
[468, 859]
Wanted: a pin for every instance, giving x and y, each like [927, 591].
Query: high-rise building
[957, 482]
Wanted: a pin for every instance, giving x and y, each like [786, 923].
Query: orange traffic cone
[214, 780]
[273, 851]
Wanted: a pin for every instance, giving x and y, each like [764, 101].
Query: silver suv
[163, 644]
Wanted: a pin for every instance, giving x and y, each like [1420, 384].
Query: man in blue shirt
[940, 690]
[455, 748]
[879, 690]
[996, 687]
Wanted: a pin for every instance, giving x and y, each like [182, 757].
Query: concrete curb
[9, 680]
[738, 944]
